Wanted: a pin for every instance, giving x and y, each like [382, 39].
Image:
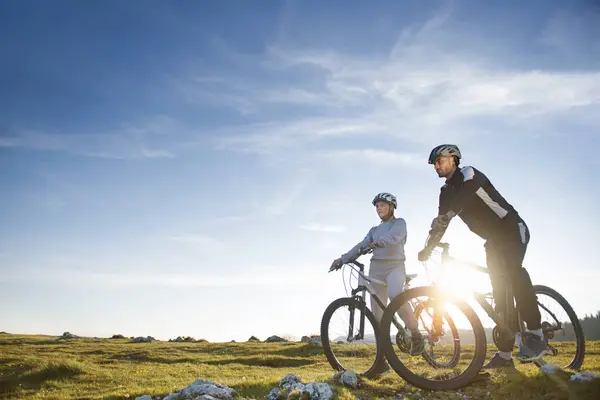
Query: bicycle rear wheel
[345, 349]
[414, 369]
[563, 332]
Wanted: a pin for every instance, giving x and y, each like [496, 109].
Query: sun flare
[462, 282]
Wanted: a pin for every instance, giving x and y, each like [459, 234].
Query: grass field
[43, 367]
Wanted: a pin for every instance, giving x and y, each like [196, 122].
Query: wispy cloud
[284, 199]
[420, 91]
[271, 137]
[158, 137]
[570, 32]
[148, 153]
[199, 242]
[281, 197]
[318, 227]
[55, 202]
[374, 156]
[417, 102]
[276, 200]
[5, 142]
[255, 276]
[233, 218]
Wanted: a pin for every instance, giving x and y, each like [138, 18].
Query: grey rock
[291, 382]
[69, 335]
[141, 339]
[274, 339]
[318, 391]
[315, 341]
[202, 387]
[550, 368]
[583, 376]
[349, 378]
[274, 394]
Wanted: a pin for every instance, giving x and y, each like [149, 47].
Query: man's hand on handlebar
[434, 236]
[438, 227]
[424, 254]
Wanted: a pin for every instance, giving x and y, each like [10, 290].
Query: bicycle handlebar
[433, 241]
[446, 254]
[361, 252]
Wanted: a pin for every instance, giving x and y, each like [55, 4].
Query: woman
[387, 263]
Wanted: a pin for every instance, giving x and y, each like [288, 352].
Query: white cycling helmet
[387, 197]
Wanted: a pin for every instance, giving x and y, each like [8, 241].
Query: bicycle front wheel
[420, 371]
[346, 347]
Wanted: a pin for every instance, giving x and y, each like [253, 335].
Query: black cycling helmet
[444, 150]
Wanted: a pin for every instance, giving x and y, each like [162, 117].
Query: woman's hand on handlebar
[376, 244]
[336, 264]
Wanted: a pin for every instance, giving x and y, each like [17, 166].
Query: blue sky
[192, 168]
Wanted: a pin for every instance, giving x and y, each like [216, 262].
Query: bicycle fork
[437, 330]
[363, 305]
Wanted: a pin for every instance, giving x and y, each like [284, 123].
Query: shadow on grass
[4, 361]
[256, 390]
[274, 362]
[147, 358]
[262, 361]
[307, 350]
[499, 384]
[18, 342]
[35, 380]
[131, 396]
[585, 390]
[251, 349]
[92, 352]
[233, 349]
[12, 373]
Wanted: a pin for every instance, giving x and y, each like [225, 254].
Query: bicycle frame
[500, 321]
[480, 298]
[366, 286]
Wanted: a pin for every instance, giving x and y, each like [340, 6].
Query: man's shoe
[534, 348]
[499, 362]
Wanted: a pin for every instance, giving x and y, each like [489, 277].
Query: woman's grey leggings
[393, 273]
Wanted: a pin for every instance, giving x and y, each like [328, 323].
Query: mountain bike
[509, 327]
[356, 342]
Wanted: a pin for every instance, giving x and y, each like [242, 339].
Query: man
[469, 194]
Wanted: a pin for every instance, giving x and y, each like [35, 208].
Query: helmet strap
[390, 214]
